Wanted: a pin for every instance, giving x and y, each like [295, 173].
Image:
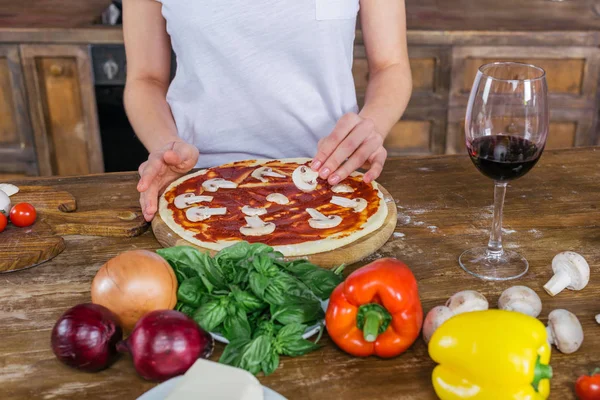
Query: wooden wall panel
[16, 138]
[63, 108]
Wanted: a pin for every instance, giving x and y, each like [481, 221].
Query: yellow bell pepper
[492, 354]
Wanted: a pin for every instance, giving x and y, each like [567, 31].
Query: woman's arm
[148, 49]
[389, 88]
[358, 138]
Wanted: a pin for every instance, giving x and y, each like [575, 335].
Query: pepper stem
[541, 371]
[373, 319]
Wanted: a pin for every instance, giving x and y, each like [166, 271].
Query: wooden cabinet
[17, 155]
[63, 110]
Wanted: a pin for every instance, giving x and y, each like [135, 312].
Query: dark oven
[121, 148]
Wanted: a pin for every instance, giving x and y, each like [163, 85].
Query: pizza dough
[263, 201]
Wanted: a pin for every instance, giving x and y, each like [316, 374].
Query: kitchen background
[63, 68]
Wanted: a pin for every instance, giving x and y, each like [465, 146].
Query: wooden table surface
[444, 207]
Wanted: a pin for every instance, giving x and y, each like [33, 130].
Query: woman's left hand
[353, 143]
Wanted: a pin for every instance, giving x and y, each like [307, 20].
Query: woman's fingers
[329, 144]
[149, 198]
[361, 132]
[182, 157]
[376, 165]
[357, 159]
[154, 166]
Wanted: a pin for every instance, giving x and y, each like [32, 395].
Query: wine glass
[506, 126]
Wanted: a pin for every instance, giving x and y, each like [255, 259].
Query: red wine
[503, 157]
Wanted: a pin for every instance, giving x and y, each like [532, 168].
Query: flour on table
[508, 231]
[399, 235]
[536, 234]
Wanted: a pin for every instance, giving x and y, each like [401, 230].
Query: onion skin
[166, 343]
[134, 283]
[86, 336]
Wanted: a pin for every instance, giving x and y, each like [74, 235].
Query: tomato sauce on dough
[291, 220]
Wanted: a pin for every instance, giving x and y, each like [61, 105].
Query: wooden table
[444, 207]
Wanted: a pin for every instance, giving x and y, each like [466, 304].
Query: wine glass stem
[495, 244]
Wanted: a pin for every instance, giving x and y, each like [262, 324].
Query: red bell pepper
[376, 310]
[588, 387]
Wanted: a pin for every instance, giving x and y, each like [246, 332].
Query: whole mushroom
[520, 299]
[467, 300]
[4, 203]
[564, 331]
[571, 271]
[435, 317]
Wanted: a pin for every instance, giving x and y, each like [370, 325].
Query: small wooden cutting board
[56, 216]
[348, 254]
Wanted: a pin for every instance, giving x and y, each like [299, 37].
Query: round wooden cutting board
[348, 254]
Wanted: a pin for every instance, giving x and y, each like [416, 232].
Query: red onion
[86, 337]
[166, 343]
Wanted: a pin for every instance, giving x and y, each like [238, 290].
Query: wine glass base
[506, 266]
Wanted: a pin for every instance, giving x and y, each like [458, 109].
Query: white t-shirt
[260, 78]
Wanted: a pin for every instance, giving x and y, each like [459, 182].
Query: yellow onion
[133, 284]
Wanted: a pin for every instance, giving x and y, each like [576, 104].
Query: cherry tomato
[588, 387]
[22, 215]
[3, 222]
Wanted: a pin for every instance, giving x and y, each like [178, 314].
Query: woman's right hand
[163, 166]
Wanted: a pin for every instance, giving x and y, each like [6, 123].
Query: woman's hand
[353, 143]
[163, 167]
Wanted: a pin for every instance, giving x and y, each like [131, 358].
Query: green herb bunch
[251, 296]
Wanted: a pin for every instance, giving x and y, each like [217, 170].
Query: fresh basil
[235, 252]
[191, 291]
[236, 325]
[258, 283]
[253, 297]
[320, 281]
[246, 300]
[188, 310]
[254, 353]
[297, 313]
[211, 314]
[270, 363]
[247, 354]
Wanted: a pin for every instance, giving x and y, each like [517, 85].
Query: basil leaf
[291, 332]
[298, 347]
[190, 262]
[259, 249]
[188, 310]
[212, 271]
[191, 291]
[178, 259]
[247, 301]
[232, 354]
[321, 282]
[275, 293]
[270, 364]
[266, 328]
[258, 283]
[236, 326]
[254, 353]
[235, 252]
[294, 287]
[264, 265]
[210, 315]
[299, 313]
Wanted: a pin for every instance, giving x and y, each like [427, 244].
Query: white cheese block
[211, 380]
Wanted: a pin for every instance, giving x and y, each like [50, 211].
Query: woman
[261, 79]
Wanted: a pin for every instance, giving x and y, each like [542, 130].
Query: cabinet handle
[56, 70]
